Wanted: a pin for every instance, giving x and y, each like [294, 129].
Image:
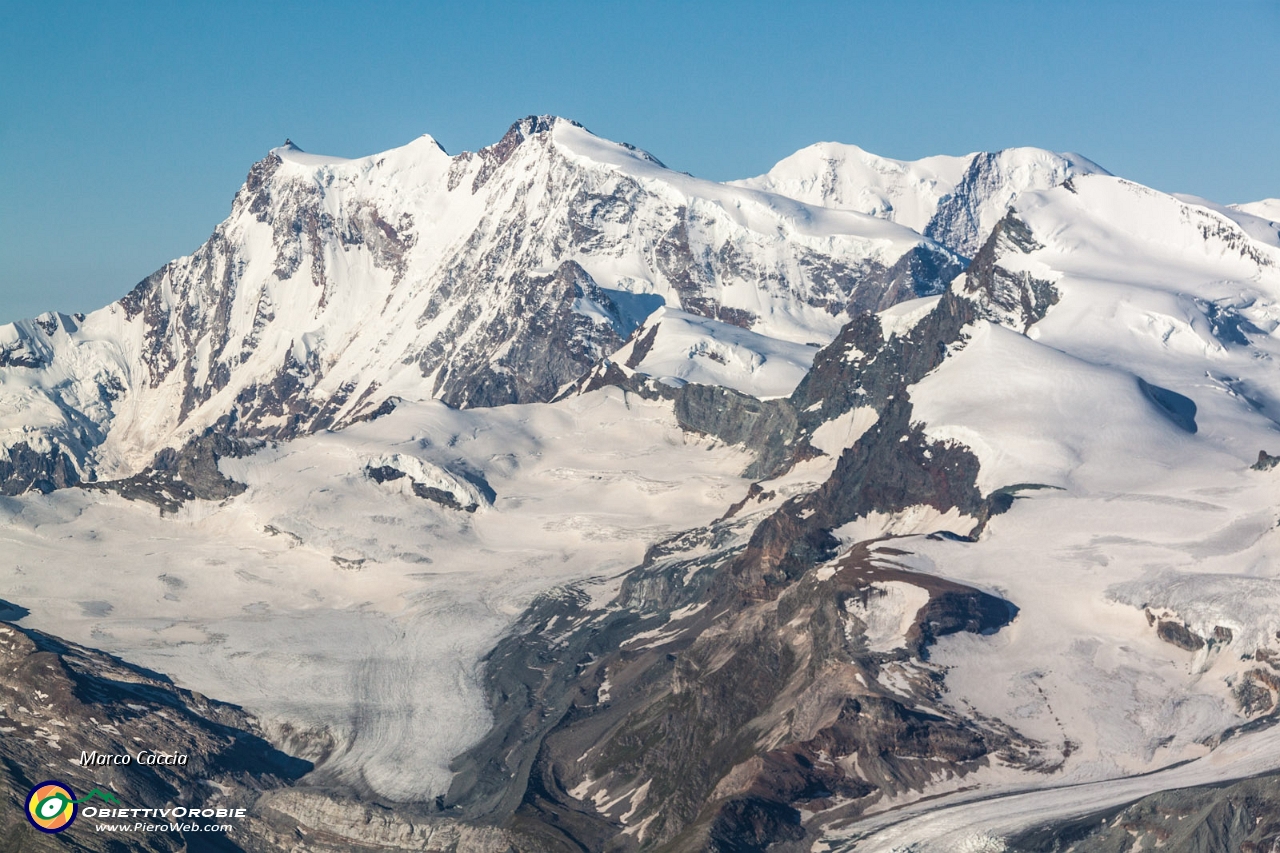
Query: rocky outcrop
[58, 700]
[698, 719]
[461, 490]
[1179, 635]
[178, 476]
[1265, 461]
[548, 343]
[920, 272]
[766, 426]
[1015, 299]
[24, 469]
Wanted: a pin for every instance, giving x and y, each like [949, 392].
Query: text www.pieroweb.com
[177, 819]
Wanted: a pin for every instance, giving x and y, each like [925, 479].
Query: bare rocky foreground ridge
[542, 499]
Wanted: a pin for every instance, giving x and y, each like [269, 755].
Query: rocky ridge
[730, 697]
[1243, 816]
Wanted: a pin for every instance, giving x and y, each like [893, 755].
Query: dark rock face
[1015, 299]
[63, 699]
[545, 344]
[1239, 816]
[1226, 322]
[500, 152]
[23, 469]
[207, 288]
[1179, 635]
[176, 477]
[957, 222]
[752, 825]
[447, 499]
[920, 272]
[683, 716]
[1265, 461]
[440, 496]
[768, 426]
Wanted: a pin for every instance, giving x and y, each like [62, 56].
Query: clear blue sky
[126, 128]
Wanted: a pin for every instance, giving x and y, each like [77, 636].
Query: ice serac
[954, 200]
[481, 279]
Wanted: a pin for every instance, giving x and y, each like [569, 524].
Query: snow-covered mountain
[482, 279]
[954, 200]
[1042, 489]
[543, 498]
[1268, 208]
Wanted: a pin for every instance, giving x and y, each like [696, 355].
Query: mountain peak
[526, 128]
[289, 152]
[535, 124]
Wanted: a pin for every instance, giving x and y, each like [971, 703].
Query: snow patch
[915, 520]
[900, 319]
[888, 613]
[834, 436]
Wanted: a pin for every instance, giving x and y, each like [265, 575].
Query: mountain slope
[61, 699]
[481, 279]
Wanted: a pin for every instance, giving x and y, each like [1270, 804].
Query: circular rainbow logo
[51, 807]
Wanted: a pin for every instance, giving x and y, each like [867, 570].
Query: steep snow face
[954, 200]
[482, 279]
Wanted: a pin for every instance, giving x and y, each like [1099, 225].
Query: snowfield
[322, 599]
[955, 200]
